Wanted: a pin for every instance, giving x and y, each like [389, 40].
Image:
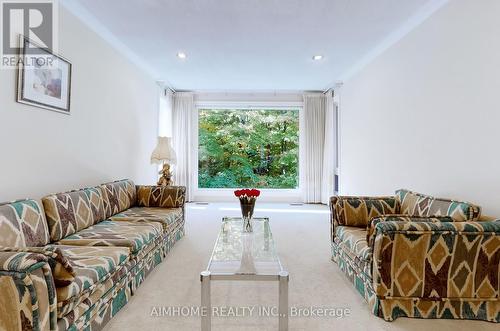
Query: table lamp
[164, 154]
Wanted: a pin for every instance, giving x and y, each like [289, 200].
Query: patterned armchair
[413, 255]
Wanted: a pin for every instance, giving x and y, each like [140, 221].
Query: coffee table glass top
[237, 252]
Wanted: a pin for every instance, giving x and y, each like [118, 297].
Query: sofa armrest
[161, 196]
[436, 260]
[28, 295]
[62, 270]
[358, 211]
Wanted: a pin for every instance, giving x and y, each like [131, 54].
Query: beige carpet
[302, 236]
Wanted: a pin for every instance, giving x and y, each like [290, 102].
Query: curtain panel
[329, 152]
[182, 126]
[318, 155]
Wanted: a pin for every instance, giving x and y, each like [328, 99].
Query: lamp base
[166, 176]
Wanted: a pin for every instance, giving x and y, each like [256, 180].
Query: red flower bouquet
[247, 203]
[247, 193]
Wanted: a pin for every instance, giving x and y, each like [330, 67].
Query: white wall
[109, 135]
[425, 115]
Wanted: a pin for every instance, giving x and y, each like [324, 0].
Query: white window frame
[227, 194]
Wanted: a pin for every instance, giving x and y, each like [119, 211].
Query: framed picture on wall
[44, 78]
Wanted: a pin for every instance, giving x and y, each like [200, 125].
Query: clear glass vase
[247, 208]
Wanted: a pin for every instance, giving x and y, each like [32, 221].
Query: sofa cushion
[118, 196]
[357, 211]
[73, 211]
[352, 241]
[92, 265]
[133, 235]
[167, 217]
[23, 224]
[416, 204]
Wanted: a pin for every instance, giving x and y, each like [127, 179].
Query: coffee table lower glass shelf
[243, 256]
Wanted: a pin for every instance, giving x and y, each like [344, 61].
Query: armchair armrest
[161, 196]
[437, 260]
[28, 298]
[358, 211]
[401, 218]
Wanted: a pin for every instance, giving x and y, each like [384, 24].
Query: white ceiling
[250, 44]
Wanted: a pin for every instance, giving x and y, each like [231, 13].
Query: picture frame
[44, 78]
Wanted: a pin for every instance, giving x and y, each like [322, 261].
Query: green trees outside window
[248, 148]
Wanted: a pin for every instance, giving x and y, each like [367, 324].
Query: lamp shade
[163, 151]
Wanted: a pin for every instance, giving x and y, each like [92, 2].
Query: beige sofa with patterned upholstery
[72, 261]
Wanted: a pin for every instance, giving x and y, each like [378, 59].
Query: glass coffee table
[238, 256]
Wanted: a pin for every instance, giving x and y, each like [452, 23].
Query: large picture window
[248, 148]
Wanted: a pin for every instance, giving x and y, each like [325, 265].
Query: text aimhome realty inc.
[248, 311]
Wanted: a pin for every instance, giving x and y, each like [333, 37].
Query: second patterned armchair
[412, 255]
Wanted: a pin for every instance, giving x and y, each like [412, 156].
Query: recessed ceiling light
[181, 55]
[317, 57]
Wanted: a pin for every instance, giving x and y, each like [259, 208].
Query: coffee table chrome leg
[283, 300]
[206, 307]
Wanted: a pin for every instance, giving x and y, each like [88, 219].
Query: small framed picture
[44, 78]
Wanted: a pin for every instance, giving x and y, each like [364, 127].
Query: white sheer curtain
[318, 162]
[165, 113]
[328, 182]
[182, 118]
